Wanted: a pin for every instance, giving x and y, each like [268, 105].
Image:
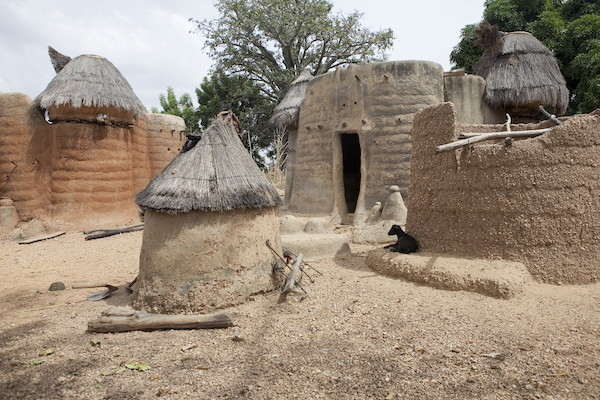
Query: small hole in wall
[355, 103]
[178, 149]
[168, 149]
[343, 105]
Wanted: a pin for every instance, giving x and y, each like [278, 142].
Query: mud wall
[202, 261]
[80, 174]
[535, 201]
[377, 103]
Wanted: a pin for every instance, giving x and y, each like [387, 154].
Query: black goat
[405, 244]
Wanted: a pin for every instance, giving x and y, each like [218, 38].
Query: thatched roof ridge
[58, 60]
[520, 70]
[287, 112]
[89, 81]
[216, 174]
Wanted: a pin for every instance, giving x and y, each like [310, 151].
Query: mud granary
[77, 155]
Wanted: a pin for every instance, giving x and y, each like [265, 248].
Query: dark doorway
[351, 159]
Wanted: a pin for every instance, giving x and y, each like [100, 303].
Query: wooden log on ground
[114, 320]
[95, 230]
[111, 232]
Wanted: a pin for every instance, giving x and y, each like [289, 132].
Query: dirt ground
[358, 335]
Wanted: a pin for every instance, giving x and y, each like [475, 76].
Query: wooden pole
[478, 137]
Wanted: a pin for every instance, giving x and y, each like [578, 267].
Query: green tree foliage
[260, 46]
[183, 108]
[223, 92]
[465, 54]
[571, 29]
[272, 41]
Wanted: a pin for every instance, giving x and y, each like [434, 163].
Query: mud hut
[76, 156]
[520, 73]
[208, 216]
[287, 114]
[354, 136]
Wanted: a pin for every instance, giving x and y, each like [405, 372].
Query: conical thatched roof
[89, 81]
[287, 112]
[217, 174]
[519, 70]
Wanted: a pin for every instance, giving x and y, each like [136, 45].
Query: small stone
[56, 286]
[238, 335]
[62, 379]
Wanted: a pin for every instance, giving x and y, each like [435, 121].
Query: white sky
[150, 42]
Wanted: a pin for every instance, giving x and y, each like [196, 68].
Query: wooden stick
[551, 117]
[489, 136]
[126, 229]
[115, 320]
[39, 239]
[289, 285]
[112, 229]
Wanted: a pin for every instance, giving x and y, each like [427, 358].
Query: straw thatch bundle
[88, 81]
[519, 71]
[58, 60]
[217, 174]
[287, 112]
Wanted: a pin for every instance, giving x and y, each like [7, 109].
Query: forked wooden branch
[114, 320]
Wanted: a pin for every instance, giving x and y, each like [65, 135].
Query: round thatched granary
[208, 216]
[286, 114]
[520, 74]
[76, 156]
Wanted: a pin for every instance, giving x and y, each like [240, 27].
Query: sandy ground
[358, 335]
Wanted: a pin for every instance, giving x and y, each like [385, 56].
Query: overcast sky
[150, 42]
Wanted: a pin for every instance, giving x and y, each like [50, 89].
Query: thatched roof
[287, 112]
[519, 70]
[89, 81]
[216, 174]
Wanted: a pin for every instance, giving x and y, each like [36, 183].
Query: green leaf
[46, 352]
[94, 344]
[36, 362]
[138, 365]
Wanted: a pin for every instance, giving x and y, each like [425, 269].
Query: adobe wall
[78, 175]
[201, 261]
[535, 201]
[375, 101]
[466, 93]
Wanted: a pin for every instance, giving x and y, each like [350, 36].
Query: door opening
[351, 161]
